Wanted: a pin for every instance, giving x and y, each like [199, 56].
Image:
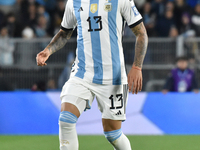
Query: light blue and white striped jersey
[100, 23]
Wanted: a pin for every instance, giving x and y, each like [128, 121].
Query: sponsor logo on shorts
[118, 113]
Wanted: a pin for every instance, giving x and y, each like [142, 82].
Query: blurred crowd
[170, 18]
[27, 19]
[42, 18]
[31, 18]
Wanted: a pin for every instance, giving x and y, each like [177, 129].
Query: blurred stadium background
[30, 106]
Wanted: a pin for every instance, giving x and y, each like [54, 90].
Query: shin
[118, 140]
[67, 131]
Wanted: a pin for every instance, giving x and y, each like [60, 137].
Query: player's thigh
[112, 100]
[75, 96]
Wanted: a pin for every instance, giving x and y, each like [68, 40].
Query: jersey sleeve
[130, 13]
[69, 19]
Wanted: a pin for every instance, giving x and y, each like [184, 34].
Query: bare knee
[110, 125]
[70, 108]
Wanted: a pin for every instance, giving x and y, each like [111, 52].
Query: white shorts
[111, 99]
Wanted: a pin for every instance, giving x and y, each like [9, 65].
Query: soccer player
[99, 69]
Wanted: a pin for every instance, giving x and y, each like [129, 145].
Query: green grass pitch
[189, 142]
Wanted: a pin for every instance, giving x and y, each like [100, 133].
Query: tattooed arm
[140, 45]
[58, 41]
[135, 74]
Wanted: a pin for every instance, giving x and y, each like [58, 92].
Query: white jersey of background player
[99, 69]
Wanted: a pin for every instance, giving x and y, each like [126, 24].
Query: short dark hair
[183, 58]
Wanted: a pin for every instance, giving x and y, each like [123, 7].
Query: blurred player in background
[181, 79]
[99, 68]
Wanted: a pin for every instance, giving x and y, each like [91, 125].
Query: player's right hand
[42, 57]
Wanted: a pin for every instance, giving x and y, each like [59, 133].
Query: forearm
[140, 50]
[140, 45]
[59, 40]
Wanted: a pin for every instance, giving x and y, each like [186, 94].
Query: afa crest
[108, 7]
[93, 8]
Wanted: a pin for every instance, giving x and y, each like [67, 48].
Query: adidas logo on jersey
[118, 113]
[80, 9]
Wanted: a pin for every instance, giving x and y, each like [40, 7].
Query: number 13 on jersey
[97, 20]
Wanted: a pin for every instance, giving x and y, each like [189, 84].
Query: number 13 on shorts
[114, 106]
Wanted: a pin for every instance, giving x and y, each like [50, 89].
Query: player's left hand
[135, 80]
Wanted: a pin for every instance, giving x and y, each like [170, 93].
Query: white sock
[67, 131]
[118, 140]
[122, 143]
